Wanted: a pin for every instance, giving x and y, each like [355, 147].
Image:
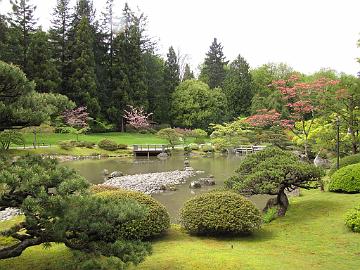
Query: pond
[220, 167]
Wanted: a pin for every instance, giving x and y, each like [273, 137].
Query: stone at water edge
[162, 155]
[105, 172]
[116, 174]
[195, 184]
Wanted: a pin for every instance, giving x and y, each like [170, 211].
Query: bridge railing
[150, 147]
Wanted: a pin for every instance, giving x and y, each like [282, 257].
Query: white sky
[305, 34]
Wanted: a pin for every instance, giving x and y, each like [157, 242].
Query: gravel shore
[150, 182]
[9, 213]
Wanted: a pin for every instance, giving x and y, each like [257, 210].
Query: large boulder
[116, 174]
[195, 184]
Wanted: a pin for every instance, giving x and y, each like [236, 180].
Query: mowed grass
[119, 137]
[312, 235]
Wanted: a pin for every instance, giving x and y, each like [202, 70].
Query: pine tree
[41, 66]
[82, 83]
[188, 74]
[59, 38]
[171, 81]
[22, 19]
[238, 88]
[213, 71]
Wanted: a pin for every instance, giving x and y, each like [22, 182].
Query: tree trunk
[282, 202]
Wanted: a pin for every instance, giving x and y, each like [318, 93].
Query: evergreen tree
[22, 19]
[82, 83]
[154, 74]
[213, 71]
[238, 88]
[41, 66]
[171, 81]
[59, 37]
[188, 74]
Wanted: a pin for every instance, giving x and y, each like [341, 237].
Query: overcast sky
[305, 34]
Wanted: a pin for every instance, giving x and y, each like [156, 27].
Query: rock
[163, 187]
[162, 155]
[210, 176]
[9, 213]
[105, 172]
[116, 174]
[186, 163]
[207, 181]
[189, 169]
[172, 188]
[294, 193]
[321, 162]
[195, 184]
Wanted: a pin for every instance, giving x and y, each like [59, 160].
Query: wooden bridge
[150, 149]
[248, 149]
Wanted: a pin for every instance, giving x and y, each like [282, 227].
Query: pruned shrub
[349, 160]
[154, 223]
[352, 219]
[66, 145]
[193, 146]
[122, 146]
[217, 213]
[107, 144]
[346, 179]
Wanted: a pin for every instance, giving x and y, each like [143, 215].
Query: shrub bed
[110, 145]
[346, 179]
[218, 213]
[193, 146]
[352, 219]
[156, 222]
[207, 148]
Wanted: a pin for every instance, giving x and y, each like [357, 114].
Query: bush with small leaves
[270, 215]
[207, 148]
[349, 160]
[154, 223]
[67, 145]
[122, 146]
[193, 146]
[346, 179]
[218, 213]
[352, 219]
[108, 145]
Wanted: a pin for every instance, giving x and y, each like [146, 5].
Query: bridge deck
[149, 149]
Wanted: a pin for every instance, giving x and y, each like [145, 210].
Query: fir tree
[238, 87]
[22, 19]
[188, 74]
[59, 37]
[82, 83]
[213, 71]
[171, 81]
[41, 66]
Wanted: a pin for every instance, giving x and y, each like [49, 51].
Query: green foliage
[349, 160]
[218, 213]
[270, 215]
[9, 137]
[238, 88]
[68, 145]
[346, 179]
[213, 70]
[193, 146]
[152, 224]
[195, 105]
[352, 219]
[109, 145]
[169, 134]
[207, 148]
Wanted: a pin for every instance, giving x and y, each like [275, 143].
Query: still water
[220, 167]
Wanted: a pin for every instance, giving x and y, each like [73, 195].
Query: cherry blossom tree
[137, 117]
[78, 119]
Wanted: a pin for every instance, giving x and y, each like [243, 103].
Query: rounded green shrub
[352, 219]
[154, 223]
[349, 160]
[193, 146]
[346, 179]
[122, 146]
[67, 145]
[108, 145]
[217, 213]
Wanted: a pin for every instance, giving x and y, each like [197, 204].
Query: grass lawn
[119, 137]
[311, 236]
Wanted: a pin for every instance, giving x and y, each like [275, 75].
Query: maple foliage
[137, 117]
